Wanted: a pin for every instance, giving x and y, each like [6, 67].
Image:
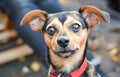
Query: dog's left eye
[51, 30]
[75, 27]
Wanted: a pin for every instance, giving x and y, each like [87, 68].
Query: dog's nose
[63, 42]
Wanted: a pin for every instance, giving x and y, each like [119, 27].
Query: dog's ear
[36, 19]
[93, 15]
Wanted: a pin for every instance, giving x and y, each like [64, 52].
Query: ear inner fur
[32, 15]
[91, 11]
[36, 19]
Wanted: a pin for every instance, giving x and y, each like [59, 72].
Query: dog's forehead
[62, 16]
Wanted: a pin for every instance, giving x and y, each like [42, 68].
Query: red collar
[76, 73]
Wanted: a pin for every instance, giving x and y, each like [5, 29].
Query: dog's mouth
[66, 53]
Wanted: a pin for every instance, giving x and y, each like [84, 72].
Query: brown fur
[89, 11]
[66, 63]
[77, 40]
[7, 22]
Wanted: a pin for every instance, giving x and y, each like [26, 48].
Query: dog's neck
[75, 73]
[68, 64]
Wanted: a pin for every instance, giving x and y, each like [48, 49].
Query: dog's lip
[66, 53]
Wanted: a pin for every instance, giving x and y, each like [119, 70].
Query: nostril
[60, 42]
[66, 41]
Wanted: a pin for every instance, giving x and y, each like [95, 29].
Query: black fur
[63, 16]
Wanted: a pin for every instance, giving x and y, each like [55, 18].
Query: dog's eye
[51, 30]
[75, 27]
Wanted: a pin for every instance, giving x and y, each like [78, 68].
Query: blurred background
[17, 58]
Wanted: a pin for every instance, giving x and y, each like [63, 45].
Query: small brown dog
[66, 35]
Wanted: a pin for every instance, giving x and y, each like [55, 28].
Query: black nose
[63, 42]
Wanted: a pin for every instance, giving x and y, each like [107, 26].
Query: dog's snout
[63, 42]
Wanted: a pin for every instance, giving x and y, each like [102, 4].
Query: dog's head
[65, 33]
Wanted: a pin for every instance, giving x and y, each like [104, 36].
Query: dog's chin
[66, 54]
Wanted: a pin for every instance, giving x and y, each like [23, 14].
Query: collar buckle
[64, 75]
[59, 75]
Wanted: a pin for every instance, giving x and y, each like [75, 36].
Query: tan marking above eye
[56, 23]
[70, 20]
[66, 26]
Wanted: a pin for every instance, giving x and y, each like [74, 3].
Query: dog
[66, 35]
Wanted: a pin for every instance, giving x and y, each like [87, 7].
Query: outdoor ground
[104, 41]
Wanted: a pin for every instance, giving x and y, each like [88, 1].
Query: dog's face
[65, 33]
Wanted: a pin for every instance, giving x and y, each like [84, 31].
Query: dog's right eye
[76, 27]
[51, 30]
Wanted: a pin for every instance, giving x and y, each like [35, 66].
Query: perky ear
[93, 15]
[36, 19]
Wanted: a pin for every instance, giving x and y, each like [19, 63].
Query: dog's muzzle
[66, 53]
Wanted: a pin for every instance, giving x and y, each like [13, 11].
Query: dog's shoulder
[90, 70]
